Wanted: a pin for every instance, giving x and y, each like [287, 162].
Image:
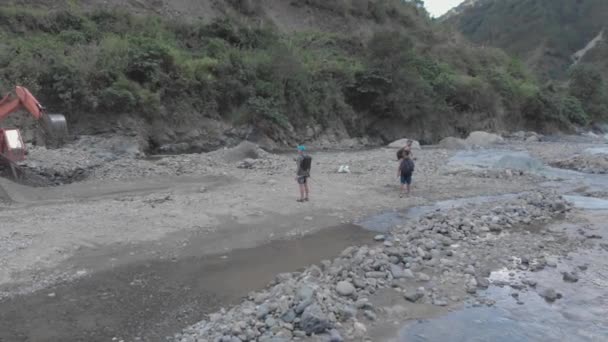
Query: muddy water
[148, 300]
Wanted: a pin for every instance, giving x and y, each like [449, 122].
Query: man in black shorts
[406, 169]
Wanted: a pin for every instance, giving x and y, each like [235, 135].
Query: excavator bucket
[55, 128]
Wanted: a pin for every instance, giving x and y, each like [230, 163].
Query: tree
[588, 86]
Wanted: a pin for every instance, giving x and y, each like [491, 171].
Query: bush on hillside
[111, 62]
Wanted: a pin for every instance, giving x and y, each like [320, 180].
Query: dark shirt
[407, 166]
[301, 172]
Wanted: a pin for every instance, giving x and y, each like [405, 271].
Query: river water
[580, 315]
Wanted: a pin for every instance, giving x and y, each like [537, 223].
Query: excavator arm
[54, 125]
[24, 99]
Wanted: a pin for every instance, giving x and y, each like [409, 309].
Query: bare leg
[408, 189]
[306, 190]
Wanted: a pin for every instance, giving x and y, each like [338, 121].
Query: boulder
[314, 321]
[533, 138]
[451, 143]
[345, 288]
[483, 139]
[402, 142]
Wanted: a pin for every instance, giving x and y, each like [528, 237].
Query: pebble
[370, 315]
[379, 238]
[345, 288]
[423, 277]
[549, 294]
[398, 272]
[414, 297]
[334, 336]
[482, 282]
[363, 303]
[360, 328]
[440, 302]
[570, 277]
[314, 320]
[551, 262]
[375, 275]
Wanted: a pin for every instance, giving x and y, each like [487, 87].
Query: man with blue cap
[304, 162]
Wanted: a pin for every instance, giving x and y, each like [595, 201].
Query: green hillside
[560, 40]
[203, 82]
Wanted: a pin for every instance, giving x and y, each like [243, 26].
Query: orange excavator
[12, 148]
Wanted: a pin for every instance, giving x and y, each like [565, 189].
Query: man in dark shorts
[406, 169]
[303, 173]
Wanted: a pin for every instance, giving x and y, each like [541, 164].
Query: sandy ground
[174, 207]
[48, 225]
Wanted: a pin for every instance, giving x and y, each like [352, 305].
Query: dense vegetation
[412, 80]
[546, 34]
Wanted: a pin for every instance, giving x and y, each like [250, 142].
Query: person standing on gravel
[404, 173]
[407, 147]
[304, 162]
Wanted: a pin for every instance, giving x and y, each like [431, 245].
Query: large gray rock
[549, 294]
[402, 142]
[345, 288]
[334, 336]
[451, 143]
[483, 139]
[314, 320]
[398, 272]
[570, 277]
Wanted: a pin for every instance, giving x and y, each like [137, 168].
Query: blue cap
[301, 148]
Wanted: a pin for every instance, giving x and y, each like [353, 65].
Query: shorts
[302, 180]
[406, 179]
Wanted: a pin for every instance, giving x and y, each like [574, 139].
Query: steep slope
[191, 75]
[545, 33]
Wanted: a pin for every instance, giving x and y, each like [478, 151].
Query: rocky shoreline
[427, 261]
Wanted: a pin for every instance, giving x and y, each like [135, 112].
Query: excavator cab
[11, 144]
[54, 126]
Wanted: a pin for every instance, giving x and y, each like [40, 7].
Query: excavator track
[10, 170]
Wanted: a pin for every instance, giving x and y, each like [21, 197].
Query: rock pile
[596, 164]
[330, 299]
[87, 158]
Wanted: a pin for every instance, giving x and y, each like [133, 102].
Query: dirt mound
[244, 150]
[596, 164]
